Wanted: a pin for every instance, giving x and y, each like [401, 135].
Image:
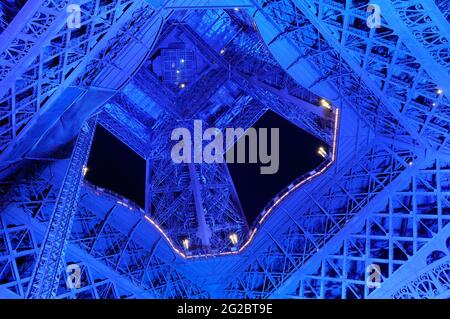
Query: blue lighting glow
[368, 82]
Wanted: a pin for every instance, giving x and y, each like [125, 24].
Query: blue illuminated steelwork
[43, 283]
[377, 96]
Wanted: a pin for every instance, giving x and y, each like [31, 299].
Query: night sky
[114, 166]
[298, 155]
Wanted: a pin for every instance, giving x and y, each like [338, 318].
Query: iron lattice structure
[382, 198]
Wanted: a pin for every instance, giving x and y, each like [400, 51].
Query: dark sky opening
[114, 166]
[297, 156]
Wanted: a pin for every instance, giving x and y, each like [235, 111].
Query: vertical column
[204, 233]
[148, 186]
[45, 278]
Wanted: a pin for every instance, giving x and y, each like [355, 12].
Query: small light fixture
[186, 244]
[222, 51]
[182, 61]
[84, 170]
[410, 163]
[177, 71]
[321, 151]
[234, 238]
[236, 9]
[182, 86]
[325, 104]
[439, 91]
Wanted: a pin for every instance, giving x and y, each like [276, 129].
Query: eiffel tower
[369, 80]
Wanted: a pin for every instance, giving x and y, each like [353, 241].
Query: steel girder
[193, 201]
[259, 72]
[167, 198]
[340, 288]
[379, 94]
[31, 74]
[204, 4]
[170, 197]
[268, 84]
[251, 117]
[385, 65]
[147, 84]
[425, 31]
[309, 227]
[312, 62]
[121, 125]
[117, 259]
[444, 7]
[424, 123]
[24, 224]
[426, 274]
[133, 249]
[182, 198]
[69, 56]
[21, 40]
[402, 233]
[41, 56]
[432, 283]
